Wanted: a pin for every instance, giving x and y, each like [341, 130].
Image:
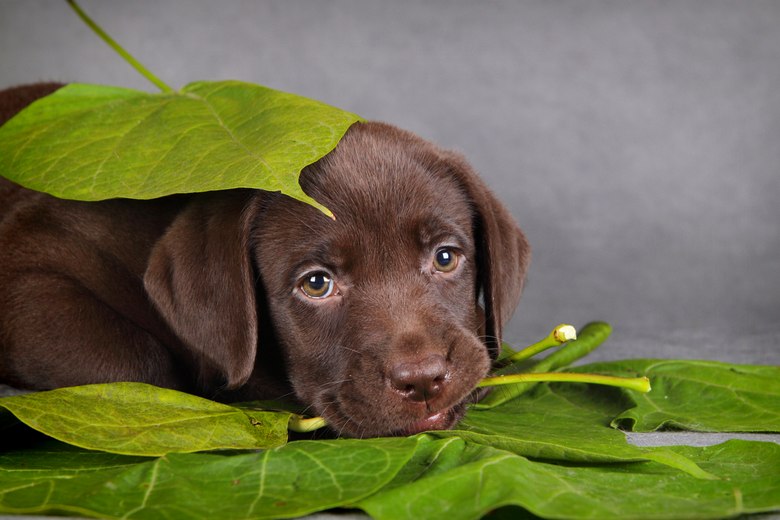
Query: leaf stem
[559, 335]
[118, 48]
[589, 337]
[304, 425]
[639, 384]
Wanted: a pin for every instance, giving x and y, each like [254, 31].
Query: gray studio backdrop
[636, 142]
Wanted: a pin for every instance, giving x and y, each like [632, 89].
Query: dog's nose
[420, 381]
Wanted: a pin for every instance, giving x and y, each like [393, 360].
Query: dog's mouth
[444, 419]
[441, 420]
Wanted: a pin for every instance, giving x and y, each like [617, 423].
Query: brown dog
[372, 320]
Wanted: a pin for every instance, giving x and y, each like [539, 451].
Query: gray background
[635, 142]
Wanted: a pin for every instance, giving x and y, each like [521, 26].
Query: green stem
[640, 384]
[589, 337]
[304, 425]
[559, 335]
[114, 45]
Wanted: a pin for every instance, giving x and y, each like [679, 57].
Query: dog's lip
[444, 418]
[440, 420]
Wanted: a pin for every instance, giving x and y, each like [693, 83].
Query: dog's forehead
[378, 171]
[389, 193]
[383, 178]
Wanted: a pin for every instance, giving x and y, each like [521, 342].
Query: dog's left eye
[445, 260]
[317, 285]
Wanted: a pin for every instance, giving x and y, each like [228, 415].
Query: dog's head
[387, 316]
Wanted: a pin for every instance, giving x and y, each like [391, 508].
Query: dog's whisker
[485, 338]
[336, 382]
[283, 397]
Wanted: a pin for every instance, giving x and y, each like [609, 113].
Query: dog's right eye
[445, 260]
[318, 285]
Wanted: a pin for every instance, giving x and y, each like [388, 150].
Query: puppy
[382, 320]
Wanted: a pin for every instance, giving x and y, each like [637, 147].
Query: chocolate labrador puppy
[382, 320]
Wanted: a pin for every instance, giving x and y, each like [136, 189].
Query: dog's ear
[503, 253]
[200, 279]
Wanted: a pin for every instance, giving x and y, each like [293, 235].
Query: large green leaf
[299, 478]
[139, 419]
[703, 396]
[91, 142]
[546, 425]
[413, 477]
[462, 480]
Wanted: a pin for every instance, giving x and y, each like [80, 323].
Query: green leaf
[91, 142]
[543, 424]
[546, 425]
[461, 480]
[297, 479]
[139, 419]
[705, 396]
[413, 477]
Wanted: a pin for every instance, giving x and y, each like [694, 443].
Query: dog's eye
[445, 260]
[317, 285]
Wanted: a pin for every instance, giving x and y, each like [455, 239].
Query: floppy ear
[200, 279]
[503, 253]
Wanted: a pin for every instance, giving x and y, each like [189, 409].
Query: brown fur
[202, 292]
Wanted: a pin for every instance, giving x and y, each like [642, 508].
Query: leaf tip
[325, 211]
